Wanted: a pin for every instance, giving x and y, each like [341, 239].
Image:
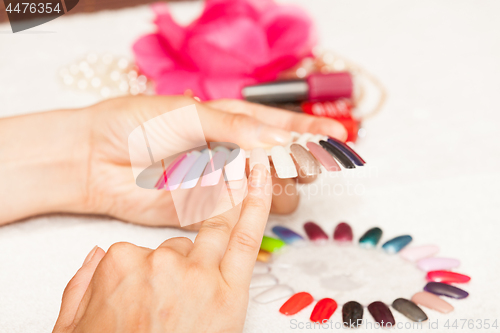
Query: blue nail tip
[397, 244]
[345, 149]
[287, 235]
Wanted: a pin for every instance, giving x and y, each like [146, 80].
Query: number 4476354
[471, 324]
[41, 8]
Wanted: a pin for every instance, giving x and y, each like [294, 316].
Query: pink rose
[232, 44]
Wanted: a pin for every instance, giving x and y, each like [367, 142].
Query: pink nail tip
[342, 232]
[323, 157]
[416, 253]
[434, 264]
[314, 232]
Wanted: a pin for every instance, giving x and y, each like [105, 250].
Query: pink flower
[232, 44]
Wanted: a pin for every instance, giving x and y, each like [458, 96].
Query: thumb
[76, 288]
[244, 130]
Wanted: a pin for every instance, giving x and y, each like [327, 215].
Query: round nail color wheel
[330, 267]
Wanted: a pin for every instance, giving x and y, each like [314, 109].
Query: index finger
[238, 262]
[290, 121]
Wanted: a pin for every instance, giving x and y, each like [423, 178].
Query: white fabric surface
[433, 154]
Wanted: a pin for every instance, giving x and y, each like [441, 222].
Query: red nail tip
[342, 232]
[447, 277]
[296, 303]
[323, 310]
[314, 232]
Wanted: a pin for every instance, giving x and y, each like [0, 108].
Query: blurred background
[433, 151]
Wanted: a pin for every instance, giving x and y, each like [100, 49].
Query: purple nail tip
[444, 289]
[314, 232]
[382, 314]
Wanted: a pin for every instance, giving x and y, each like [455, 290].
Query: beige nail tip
[309, 166]
[259, 156]
[283, 163]
[432, 302]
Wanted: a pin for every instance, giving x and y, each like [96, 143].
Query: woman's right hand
[180, 286]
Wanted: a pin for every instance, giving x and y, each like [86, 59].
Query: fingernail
[90, 255]
[273, 135]
[258, 176]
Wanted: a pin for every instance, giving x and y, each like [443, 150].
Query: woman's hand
[111, 189]
[180, 286]
[78, 161]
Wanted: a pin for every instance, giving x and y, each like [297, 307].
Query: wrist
[44, 160]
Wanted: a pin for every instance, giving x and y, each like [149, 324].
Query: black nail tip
[353, 156]
[338, 154]
[352, 314]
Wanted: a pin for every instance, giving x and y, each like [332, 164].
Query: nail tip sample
[443, 289]
[396, 244]
[273, 294]
[323, 157]
[371, 238]
[308, 165]
[343, 232]
[271, 244]
[314, 232]
[323, 310]
[447, 277]
[338, 154]
[409, 309]
[416, 253]
[352, 314]
[381, 314]
[348, 151]
[287, 235]
[437, 263]
[432, 302]
[283, 163]
[296, 303]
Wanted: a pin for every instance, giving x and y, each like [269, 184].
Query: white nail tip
[263, 280]
[235, 169]
[416, 253]
[275, 293]
[283, 163]
[259, 156]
